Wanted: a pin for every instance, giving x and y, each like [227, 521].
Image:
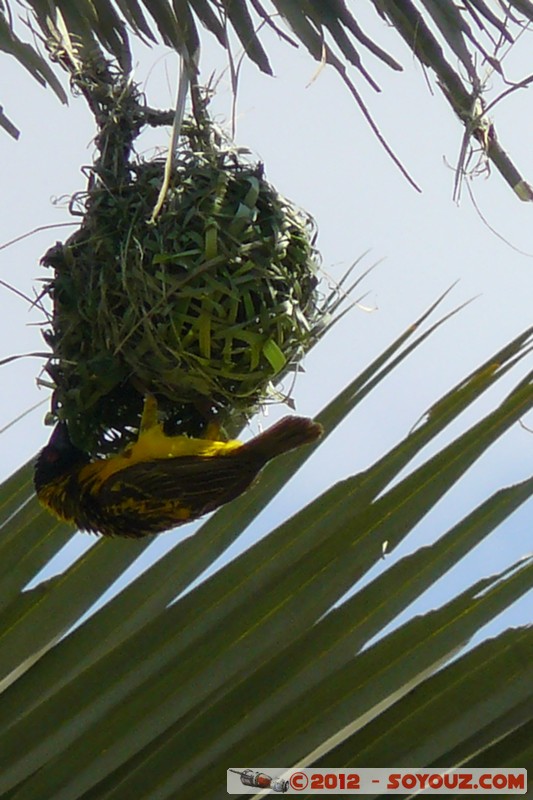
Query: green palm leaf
[438, 33]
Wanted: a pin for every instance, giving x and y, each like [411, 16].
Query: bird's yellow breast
[151, 445]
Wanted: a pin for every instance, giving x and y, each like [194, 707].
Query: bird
[157, 482]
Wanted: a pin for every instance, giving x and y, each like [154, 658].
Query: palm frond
[437, 33]
[166, 679]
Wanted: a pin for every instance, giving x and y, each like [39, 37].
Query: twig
[493, 230]
[37, 230]
[183, 89]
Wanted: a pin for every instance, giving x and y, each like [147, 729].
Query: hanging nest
[207, 307]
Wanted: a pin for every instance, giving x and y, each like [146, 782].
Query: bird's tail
[285, 435]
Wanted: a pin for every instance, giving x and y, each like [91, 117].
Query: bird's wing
[193, 481]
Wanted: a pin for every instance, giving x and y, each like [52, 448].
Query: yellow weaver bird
[159, 481]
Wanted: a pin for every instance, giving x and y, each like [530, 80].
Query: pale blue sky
[318, 150]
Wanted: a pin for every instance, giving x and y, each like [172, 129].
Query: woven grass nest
[206, 308]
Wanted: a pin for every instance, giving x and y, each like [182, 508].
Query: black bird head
[58, 458]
